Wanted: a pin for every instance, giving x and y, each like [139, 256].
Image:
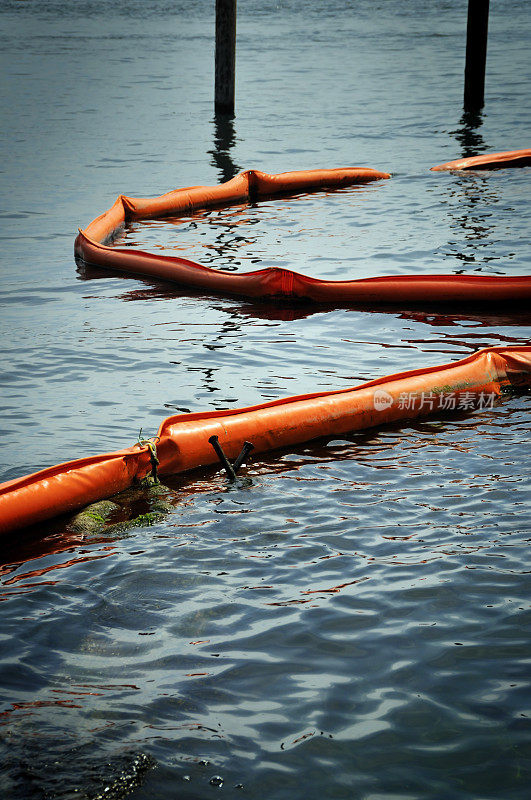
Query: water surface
[353, 621]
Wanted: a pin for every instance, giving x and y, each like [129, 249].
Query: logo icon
[382, 399]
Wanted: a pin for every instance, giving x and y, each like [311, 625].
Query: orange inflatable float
[509, 158]
[184, 441]
[276, 282]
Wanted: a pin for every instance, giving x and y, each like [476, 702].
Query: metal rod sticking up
[246, 449]
[231, 469]
[214, 441]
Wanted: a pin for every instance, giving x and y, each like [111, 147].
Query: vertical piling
[476, 54]
[225, 55]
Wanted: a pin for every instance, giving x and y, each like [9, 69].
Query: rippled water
[351, 622]
[349, 233]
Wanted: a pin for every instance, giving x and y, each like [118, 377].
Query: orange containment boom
[275, 281]
[183, 443]
[510, 158]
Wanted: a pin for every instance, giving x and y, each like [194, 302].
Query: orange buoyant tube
[276, 282]
[183, 440]
[509, 158]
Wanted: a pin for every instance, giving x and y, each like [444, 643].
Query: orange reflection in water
[37, 573]
[335, 589]
[31, 705]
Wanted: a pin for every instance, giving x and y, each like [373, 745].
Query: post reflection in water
[225, 243]
[472, 195]
[468, 134]
[224, 141]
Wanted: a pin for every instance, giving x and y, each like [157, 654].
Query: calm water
[354, 621]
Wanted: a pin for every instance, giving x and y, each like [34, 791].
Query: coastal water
[351, 620]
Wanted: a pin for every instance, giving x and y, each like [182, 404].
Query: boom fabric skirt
[182, 442]
[276, 282]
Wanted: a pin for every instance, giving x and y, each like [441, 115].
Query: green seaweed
[98, 517]
[94, 517]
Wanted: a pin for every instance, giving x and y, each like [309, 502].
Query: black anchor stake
[246, 449]
[230, 469]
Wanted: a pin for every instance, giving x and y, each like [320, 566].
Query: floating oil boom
[183, 441]
[253, 185]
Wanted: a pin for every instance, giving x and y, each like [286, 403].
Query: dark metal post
[225, 55]
[476, 54]
[214, 441]
[246, 449]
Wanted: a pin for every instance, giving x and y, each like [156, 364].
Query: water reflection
[520, 317]
[468, 134]
[287, 310]
[224, 141]
[473, 195]
[226, 231]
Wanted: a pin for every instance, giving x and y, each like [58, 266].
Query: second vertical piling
[225, 56]
[476, 54]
